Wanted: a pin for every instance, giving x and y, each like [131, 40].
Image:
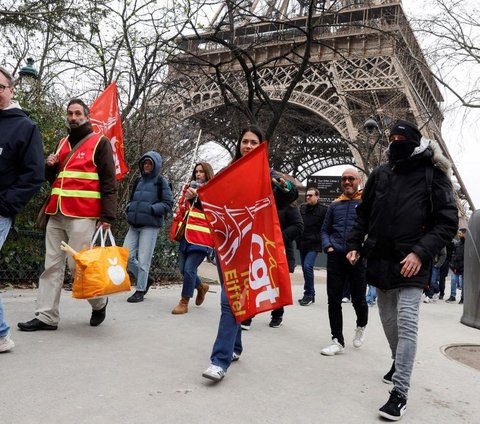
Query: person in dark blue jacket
[151, 199]
[338, 222]
[21, 168]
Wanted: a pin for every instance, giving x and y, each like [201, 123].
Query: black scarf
[401, 150]
[76, 134]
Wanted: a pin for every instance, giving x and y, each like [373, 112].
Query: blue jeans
[188, 263]
[307, 259]
[399, 313]
[371, 295]
[456, 281]
[229, 336]
[5, 224]
[141, 243]
[434, 286]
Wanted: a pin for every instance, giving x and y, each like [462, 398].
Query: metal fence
[23, 254]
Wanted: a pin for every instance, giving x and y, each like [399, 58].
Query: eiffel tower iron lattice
[365, 70]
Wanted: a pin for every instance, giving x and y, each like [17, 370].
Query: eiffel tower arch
[365, 67]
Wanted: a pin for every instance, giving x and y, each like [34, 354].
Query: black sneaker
[395, 408]
[136, 297]
[245, 325]
[306, 300]
[35, 325]
[450, 299]
[387, 378]
[275, 322]
[98, 316]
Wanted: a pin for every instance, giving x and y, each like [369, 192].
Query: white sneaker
[235, 357]
[214, 372]
[427, 300]
[345, 300]
[6, 343]
[332, 349]
[435, 296]
[359, 337]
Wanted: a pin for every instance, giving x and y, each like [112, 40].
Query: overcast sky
[460, 131]
[461, 126]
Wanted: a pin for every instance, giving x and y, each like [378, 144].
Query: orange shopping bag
[100, 270]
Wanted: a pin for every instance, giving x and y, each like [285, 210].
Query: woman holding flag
[228, 344]
[196, 243]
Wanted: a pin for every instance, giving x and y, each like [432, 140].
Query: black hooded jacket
[21, 161]
[401, 214]
[458, 254]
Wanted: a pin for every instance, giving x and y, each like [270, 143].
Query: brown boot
[202, 290]
[182, 307]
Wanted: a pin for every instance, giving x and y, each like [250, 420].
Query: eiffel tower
[365, 71]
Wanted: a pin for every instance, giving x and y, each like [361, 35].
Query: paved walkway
[143, 366]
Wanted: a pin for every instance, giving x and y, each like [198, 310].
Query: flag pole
[181, 197]
[194, 157]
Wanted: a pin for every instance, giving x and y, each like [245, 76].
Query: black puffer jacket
[458, 253]
[291, 224]
[400, 216]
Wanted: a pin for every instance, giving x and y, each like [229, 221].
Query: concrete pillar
[471, 283]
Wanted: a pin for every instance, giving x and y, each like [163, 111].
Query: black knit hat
[408, 130]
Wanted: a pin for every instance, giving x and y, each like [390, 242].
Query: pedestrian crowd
[389, 244]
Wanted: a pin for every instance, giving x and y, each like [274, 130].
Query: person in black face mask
[408, 212]
[404, 139]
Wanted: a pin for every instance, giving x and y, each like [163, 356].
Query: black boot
[136, 297]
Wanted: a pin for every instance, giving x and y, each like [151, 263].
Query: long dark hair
[252, 128]
[207, 168]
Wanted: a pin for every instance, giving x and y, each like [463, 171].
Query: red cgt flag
[247, 236]
[105, 120]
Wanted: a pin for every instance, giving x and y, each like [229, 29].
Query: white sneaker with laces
[6, 343]
[333, 349]
[359, 337]
[214, 372]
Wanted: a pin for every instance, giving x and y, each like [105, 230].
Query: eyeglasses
[310, 195]
[349, 179]
[3, 87]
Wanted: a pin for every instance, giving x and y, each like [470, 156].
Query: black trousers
[339, 272]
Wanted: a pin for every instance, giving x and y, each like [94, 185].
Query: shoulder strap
[160, 180]
[74, 149]
[134, 187]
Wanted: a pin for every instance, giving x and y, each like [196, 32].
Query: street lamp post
[29, 71]
[27, 83]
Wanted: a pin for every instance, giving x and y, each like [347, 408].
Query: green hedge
[23, 254]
